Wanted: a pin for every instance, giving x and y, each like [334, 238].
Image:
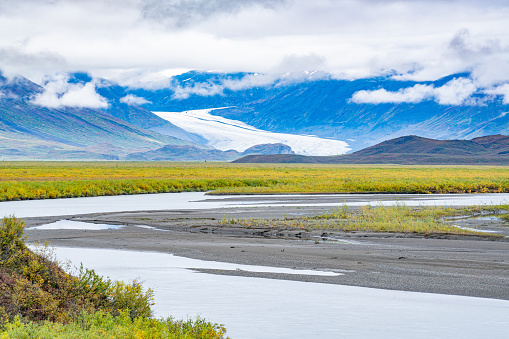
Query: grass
[39, 299]
[393, 219]
[46, 180]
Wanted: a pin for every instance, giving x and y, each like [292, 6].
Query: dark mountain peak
[409, 150]
[414, 144]
[277, 148]
[492, 140]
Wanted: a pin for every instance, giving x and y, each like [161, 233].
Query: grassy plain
[43, 180]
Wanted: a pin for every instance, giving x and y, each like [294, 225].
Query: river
[270, 308]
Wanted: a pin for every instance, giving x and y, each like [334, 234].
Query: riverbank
[457, 265]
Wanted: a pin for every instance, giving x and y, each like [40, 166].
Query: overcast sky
[141, 40]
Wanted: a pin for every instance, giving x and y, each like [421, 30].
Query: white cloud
[59, 93]
[500, 90]
[183, 91]
[134, 100]
[455, 92]
[413, 94]
[348, 38]
[201, 89]
[186, 12]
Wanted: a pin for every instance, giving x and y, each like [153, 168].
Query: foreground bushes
[38, 299]
[103, 325]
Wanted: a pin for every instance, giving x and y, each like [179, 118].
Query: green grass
[39, 299]
[392, 219]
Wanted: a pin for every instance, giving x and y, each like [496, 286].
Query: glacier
[225, 134]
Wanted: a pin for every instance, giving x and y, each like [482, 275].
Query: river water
[199, 200]
[268, 308]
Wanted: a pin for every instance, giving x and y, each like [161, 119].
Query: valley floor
[458, 265]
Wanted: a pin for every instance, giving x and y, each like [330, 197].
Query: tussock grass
[43, 180]
[394, 219]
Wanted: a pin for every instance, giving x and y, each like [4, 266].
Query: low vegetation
[44, 180]
[395, 219]
[38, 299]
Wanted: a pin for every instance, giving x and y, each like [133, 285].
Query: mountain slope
[411, 150]
[323, 106]
[29, 131]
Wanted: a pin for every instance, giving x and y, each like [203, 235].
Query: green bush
[103, 325]
[38, 299]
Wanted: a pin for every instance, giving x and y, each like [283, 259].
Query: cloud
[16, 60]
[350, 39]
[301, 63]
[183, 91]
[200, 89]
[59, 93]
[455, 92]
[500, 90]
[463, 46]
[486, 59]
[134, 100]
[186, 12]
[413, 94]
[255, 80]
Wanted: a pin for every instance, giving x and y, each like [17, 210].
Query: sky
[137, 42]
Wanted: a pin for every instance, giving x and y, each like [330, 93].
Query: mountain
[172, 153]
[311, 105]
[189, 153]
[120, 130]
[133, 114]
[265, 149]
[30, 131]
[323, 106]
[411, 150]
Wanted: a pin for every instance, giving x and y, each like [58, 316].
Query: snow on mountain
[225, 134]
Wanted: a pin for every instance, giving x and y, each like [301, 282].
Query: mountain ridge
[410, 150]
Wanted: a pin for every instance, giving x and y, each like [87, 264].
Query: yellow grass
[393, 219]
[39, 180]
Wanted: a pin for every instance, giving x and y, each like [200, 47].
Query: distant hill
[190, 153]
[277, 148]
[411, 150]
[172, 153]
